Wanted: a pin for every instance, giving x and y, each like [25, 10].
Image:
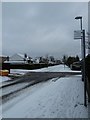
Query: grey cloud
[41, 28]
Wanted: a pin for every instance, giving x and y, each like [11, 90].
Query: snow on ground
[4, 78]
[13, 88]
[19, 71]
[56, 68]
[62, 98]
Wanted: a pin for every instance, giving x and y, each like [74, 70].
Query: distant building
[19, 58]
[58, 62]
[2, 59]
[36, 60]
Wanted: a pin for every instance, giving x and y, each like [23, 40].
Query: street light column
[83, 58]
[82, 50]
[80, 18]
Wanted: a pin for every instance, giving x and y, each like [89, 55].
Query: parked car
[76, 66]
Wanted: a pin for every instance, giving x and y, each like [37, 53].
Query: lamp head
[78, 17]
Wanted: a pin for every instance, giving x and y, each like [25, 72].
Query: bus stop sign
[78, 34]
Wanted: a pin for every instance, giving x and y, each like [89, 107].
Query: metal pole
[82, 50]
[83, 59]
[84, 75]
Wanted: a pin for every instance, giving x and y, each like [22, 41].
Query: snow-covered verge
[61, 98]
[56, 68]
[4, 78]
[19, 71]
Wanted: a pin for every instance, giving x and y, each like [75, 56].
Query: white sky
[42, 28]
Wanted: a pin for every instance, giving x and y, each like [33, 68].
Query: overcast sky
[39, 29]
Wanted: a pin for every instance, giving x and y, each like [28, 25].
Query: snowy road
[61, 98]
[13, 87]
[56, 68]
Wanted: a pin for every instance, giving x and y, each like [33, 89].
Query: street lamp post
[80, 18]
[83, 57]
